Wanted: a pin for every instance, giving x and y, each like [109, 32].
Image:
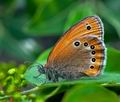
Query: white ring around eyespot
[76, 41]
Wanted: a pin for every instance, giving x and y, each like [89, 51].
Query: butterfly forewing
[79, 29]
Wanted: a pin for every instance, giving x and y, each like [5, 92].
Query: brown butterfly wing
[75, 60]
[79, 29]
[68, 59]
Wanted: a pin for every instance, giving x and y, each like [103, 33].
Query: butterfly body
[80, 51]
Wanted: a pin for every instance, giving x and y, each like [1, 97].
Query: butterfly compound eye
[76, 43]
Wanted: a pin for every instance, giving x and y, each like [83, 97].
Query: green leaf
[90, 93]
[34, 76]
[8, 7]
[106, 79]
[79, 12]
[46, 28]
[113, 60]
[110, 16]
[43, 57]
[47, 16]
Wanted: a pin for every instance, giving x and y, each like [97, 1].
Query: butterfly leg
[52, 75]
[56, 76]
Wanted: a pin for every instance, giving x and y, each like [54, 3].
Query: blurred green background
[28, 27]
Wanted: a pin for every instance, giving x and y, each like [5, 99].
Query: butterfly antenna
[28, 63]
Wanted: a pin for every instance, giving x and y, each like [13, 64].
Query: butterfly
[79, 52]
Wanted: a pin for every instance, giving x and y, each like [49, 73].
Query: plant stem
[23, 92]
[52, 93]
